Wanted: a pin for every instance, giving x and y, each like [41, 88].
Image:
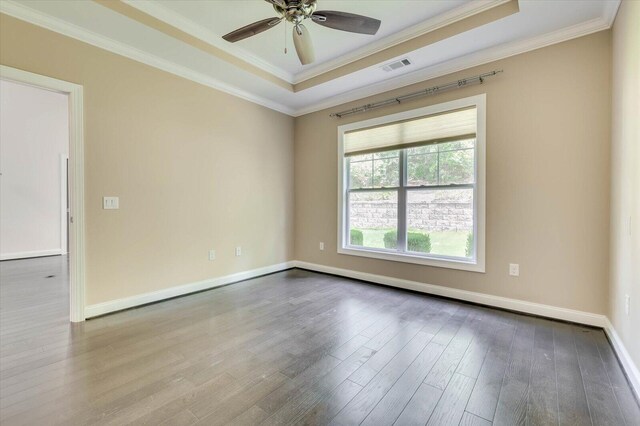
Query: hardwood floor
[296, 348]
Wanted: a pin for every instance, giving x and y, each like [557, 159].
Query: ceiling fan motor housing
[296, 11]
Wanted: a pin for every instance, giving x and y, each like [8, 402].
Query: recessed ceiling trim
[172, 31]
[439, 21]
[176, 20]
[610, 10]
[492, 14]
[462, 63]
[31, 16]
[174, 25]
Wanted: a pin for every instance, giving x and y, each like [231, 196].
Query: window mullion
[346, 240]
[438, 166]
[402, 202]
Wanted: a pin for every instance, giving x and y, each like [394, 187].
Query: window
[412, 186]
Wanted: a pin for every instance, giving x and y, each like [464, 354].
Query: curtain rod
[424, 92]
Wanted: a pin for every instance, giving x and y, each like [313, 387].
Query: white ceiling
[539, 23]
[220, 18]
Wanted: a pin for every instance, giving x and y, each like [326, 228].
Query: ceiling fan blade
[346, 22]
[304, 45]
[251, 29]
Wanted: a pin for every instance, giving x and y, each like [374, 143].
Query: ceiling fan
[296, 11]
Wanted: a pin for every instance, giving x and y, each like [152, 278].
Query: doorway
[27, 237]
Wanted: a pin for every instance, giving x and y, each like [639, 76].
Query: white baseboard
[156, 296]
[29, 254]
[549, 311]
[469, 296]
[625, 359]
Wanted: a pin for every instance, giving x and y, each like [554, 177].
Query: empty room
[320, 212]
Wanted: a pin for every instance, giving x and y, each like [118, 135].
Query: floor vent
[396, 65]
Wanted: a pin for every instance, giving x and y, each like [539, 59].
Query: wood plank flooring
[296, 348]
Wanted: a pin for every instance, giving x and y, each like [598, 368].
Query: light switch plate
[110, 203]
[321, 245]
[238, 251]
[212, 255]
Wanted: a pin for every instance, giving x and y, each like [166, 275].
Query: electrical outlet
[238, 251]
[212, 255]
[627, 306]
[321, 245]
[514, 269]
[110, 203]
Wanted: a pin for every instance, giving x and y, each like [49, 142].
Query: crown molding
[442, 20]
[461, 63]
[610, 10]
[27, 14]
[187, 26]
[176, 20]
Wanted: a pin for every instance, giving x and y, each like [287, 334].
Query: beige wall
[195, 169]
[548, 130]
[625, 177]
[184, 158]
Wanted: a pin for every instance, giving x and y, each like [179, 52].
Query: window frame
[475, 264]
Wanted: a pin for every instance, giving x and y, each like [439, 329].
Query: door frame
[76, 224]
[64, 204]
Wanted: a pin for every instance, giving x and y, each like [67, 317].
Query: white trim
[580, 317]
[610, 10]
[29, 254]
[63, 204]
[459, 13]
[185, 25]
[630, 368]
[475, 265]
[505, 50]
[449, 263]
[43, 20]
[461, 63]
[549, 311]
[167, 293]
[470, 296]
[76, 177]
[462, 12]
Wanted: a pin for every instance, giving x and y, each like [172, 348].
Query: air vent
[396, 65]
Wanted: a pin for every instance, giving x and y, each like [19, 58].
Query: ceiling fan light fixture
[296, 11]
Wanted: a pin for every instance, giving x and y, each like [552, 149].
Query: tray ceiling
[221, 17]
[439, 37]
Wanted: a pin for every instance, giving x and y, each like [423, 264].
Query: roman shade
[438, 128]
